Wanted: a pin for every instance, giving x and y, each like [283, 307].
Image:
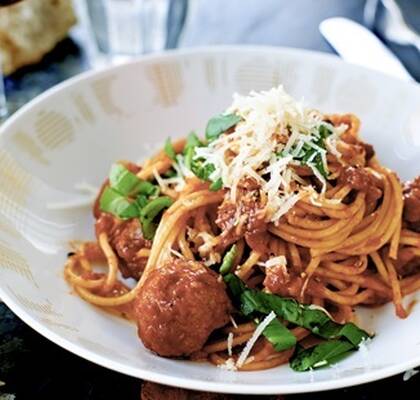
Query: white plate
[73, 133]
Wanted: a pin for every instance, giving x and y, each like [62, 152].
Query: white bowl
[73, 133]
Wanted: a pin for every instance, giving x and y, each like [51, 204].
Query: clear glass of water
[135, 26]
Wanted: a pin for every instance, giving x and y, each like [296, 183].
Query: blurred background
[44, 42]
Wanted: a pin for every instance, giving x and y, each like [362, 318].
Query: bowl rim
[185, 382]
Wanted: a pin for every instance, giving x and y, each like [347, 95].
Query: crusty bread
[30, 29]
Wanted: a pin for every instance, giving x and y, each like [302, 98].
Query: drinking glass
[135, 26]
[3, 105]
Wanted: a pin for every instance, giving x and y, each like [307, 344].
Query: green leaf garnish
[235, 285]
[228, 259]
[148, 189]
[219, 124]
[201, 170]
[114, 203]
[310, 155]
[324, 132]
[169, 149]
[279, 336]
[128, 184]
[321, 355]
[189, 149]
[317, 321]
[141, 201]
[346, 337]
[192, 142]
[123, 181]
[150, 211]
[216, 185]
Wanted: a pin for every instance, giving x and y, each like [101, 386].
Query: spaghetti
[287, 206]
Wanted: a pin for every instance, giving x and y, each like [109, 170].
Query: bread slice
[30, 29]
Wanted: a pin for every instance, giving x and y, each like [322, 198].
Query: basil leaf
[319, 165]
[342, 339]
[324, 132]
[228, 259]
[349, 331]
[201, 170]
[123, 181]
[188, 157]
[219, 124]
[149, 212]
[309, 155]
[279, 336]
[235, 285]
[216, 185]
[148, 189]
[321, 355]
[189, 149]
[128, 184]
[192, 142]
[169, 149]
[114, 203]
[317, 321]
[141, 201]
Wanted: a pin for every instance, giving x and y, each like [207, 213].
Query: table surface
[33, 367]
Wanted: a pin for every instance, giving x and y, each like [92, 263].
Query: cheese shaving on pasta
[251, 342]
[275, 133]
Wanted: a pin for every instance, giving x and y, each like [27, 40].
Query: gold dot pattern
[54, 130]
[322, 82]
[97, 347]
[14, 180]
[57, 324]
[102, 90]
[167, 79]
[8, 229]
[210, 72]
[13, 261]
[256, 75]
[84, 109]
[45, 308]
[28, 145]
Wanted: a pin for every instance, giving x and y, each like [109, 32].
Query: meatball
[126, 238]
[412, 204]
[179, 305]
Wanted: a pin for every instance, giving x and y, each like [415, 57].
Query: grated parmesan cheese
[176, 254]
[319, 308]
[235, 325]
[274, 129]
[251, 342]
[364, 352]
[275, 261]
[177, 182]
[228, 365]
[230, 343]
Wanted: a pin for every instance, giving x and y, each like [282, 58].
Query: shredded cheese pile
[257, 333]
[274, 128]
